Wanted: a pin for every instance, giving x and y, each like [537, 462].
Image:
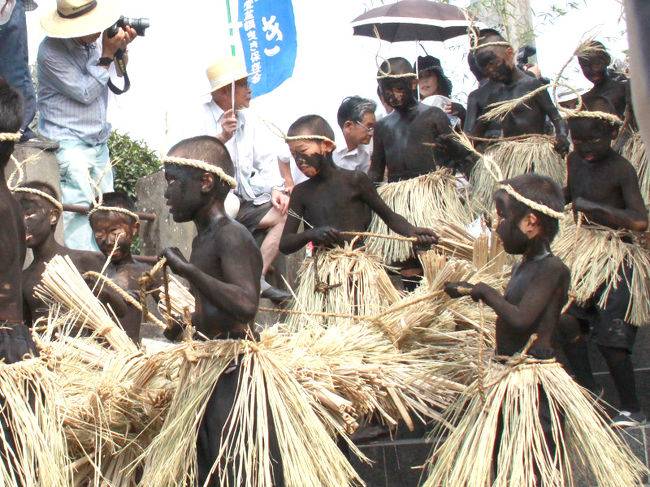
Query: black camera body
[525, 52]
[140, 25]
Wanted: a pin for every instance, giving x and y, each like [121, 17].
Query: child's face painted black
[309, 156]
[183, 194]
[40, 218]
[110, 227]
[496, 63]
[592, 139]
[399, 93]
[515, 241]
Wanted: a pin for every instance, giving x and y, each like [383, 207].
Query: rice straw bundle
[594, 254]
[61, 283]
[431, 201]
[360, 365]
[32, 444]
[634, 151]
[515, 157]
[345, 281]
[111, 403]
[509, 394]
[309, 455]
[180, 298]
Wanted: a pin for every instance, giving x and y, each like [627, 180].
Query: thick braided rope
[10, 136]
[204, 166]
[608, 117]
[532, 204]
[40, 193]
[289, 138]
[115, 209]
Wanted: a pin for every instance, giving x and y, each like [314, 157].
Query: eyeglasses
[368, 129]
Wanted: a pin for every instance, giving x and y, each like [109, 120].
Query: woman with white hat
[73, 76]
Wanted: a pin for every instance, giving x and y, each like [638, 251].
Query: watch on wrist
[104, 61]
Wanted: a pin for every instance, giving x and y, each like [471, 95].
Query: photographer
[73, 77]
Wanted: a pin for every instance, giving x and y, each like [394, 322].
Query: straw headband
[115, 209]
[608, 117]
[204, 166]
[491, 44]
[532, 204]
[396, 76]
[42, 194]
[10, 136]
[289, 138]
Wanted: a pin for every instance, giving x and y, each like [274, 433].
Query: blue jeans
[14, 66]
[77, 162]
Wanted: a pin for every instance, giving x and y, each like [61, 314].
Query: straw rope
[10, 136]
[397, 76]
[40, 193]
[126, 296]
[204, 166]
[116, 210]
[491, 44]
[608, 117]
[532, 204]
[19, 173]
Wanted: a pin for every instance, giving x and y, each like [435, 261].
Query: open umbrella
[413, 20]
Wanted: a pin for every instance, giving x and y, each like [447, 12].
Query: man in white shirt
[356, 117]
[264, 202]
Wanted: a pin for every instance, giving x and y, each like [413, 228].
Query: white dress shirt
[355, 159]
[254, 152]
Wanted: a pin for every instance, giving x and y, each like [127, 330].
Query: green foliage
[131, 160]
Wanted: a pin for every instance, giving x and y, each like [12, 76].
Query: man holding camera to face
[73, 78]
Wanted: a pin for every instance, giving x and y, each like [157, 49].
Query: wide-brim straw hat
[78, 18]
[224, 72]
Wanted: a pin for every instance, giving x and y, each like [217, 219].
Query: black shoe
[626, 419]
[38, 142]
[278, 296]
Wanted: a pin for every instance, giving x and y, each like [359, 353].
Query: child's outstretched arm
[397, 223]
[534, 302]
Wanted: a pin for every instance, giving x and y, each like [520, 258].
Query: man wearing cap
[264, 202]
[73, 75]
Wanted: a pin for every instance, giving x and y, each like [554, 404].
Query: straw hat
[224, 72]
[78, 18]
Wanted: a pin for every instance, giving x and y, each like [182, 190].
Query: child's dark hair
[540, 189]
[595, 50]
[11, 118]
[354, 108]
[46, 188]
[118, 199]
[311, 125]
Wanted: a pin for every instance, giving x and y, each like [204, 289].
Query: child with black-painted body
[42, 215]
[224, 275]
[115, 224]
[604, 188]
[333, 199]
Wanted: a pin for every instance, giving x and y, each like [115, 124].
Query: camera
[140, 25]
[525, 52]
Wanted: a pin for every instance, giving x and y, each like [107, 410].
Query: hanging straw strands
[31, 437]
[351, 282]
[595, 254]
[634, 151]
[513, 397]
[430, 201]
[62, 283]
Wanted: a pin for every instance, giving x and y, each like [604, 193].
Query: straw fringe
[634, 151]
[31, 435]
[432, 201]
[534, 154]
[358, 285]
[594, 254]
[585, 444]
